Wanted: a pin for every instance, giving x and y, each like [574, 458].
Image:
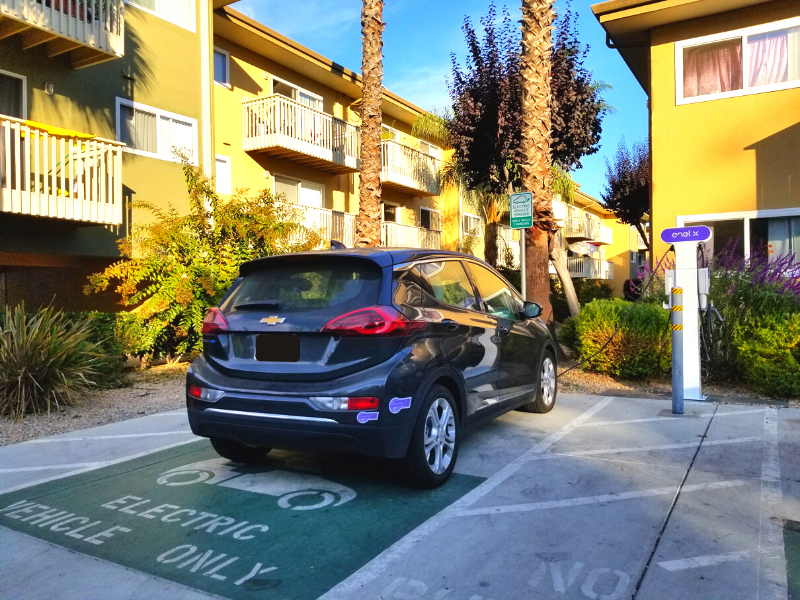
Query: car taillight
[374, 320]
[215, 322]
[201, 393]
[338, 403]
[363, 403]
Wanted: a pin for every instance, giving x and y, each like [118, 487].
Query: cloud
[302, 18]
[425, 87]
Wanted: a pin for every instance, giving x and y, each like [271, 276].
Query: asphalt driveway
[604, 498]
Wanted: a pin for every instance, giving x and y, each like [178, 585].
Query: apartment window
[223, 174]
[297, 191]
[12, 95]
[156, 133]
[430, 149]
[748, 61]
[391, 212]
[776, 238]
[389, 133]
[296, 93]
[221, 67]
[430, 218]
[470, 224]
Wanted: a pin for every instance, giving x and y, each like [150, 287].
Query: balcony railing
[281, 126]
[508, 248]
[637, 243]
[585, 267]
[91, 30]
[585, 228]
[409, 168]
[397, 235]
[331, 224]
[49, 173]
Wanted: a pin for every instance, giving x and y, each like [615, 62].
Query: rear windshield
[308, 286]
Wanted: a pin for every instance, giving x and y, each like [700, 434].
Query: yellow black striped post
[676, 321]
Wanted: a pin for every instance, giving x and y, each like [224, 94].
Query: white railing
[96, 24]
[587, 228]
[63, 176]
[397, 235]
[330, 224]
[585, 267]
[178, 12]
[409, 167]
[637, 243]
[507, 245]
[279, 122]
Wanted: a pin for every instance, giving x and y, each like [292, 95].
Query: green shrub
[767, 354]
[640, 348]
[46, 360]
[587, 290]
[177, 266]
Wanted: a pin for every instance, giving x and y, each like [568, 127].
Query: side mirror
[532, 310]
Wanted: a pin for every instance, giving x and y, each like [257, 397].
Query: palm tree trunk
[537, 25]
[560, 263]
[368, 223]
[490, 244]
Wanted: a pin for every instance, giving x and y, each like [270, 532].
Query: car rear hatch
[276, 314]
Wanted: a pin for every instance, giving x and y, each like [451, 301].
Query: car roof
[384, 257]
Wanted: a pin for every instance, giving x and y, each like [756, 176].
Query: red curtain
[712, 68]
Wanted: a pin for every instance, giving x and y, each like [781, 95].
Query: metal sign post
[682, 286]
[522, 218]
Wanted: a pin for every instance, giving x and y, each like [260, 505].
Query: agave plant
[46, 361]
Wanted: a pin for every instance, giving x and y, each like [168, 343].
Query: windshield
[308, 286]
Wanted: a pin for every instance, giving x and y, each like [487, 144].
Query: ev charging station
[687, 287]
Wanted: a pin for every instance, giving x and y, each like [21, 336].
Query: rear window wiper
[257, 304]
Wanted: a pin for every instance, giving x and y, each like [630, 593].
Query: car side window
[499, 299]
[447, 282]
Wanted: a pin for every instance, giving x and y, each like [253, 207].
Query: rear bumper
[280, 414]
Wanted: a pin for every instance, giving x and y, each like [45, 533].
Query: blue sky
[419, 38]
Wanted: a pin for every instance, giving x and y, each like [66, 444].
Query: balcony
[409, 170]
[331, 224]
[584, 267]
[50, 172]
[281, 127]
[396, 235]
[637, 243]
[584, 228]
[91, 31]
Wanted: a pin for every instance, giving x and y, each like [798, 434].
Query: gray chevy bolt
[394, 353]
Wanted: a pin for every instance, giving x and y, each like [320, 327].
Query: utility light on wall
[49, 88]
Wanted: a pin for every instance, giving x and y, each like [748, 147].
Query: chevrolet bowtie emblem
[274, 320]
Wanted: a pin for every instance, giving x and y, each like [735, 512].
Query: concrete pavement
[605, 498]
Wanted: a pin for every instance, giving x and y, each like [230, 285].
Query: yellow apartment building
[723, 81]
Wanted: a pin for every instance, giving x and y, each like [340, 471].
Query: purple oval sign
[695, 233]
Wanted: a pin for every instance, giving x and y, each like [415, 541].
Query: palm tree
[537, 25]
[368, 223]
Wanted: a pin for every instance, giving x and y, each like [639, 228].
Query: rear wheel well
[452, 387]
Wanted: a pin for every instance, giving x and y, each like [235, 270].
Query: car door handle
[503, 330]
[449, 324]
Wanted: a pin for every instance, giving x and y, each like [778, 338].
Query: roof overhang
[628, 24]
[267, 42]
[221, 3]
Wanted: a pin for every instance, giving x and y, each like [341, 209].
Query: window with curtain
[470, 225]
[712, 68]
[288, 188]
[774, 57]
[775, 237]
[430, 219]
[138, 129]
[152, 131]
[176, 136]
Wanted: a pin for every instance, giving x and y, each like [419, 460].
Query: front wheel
[433, 449]
[239, 453]
[547, 386]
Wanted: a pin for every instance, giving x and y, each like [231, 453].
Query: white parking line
[599, 499]
[676, 418]
[646, 448]
[52, 467]
[94, 466]
[348, 588]
[703, 561]
[770, 534]
[107, 437]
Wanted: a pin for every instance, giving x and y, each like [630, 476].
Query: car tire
[429, 466]
[546, 386]
[238, 452]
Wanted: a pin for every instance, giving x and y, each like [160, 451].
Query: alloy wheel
[440, 436]
[548, 381]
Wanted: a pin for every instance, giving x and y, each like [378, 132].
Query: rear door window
[447, 282]
[499, 299]
[304, 286]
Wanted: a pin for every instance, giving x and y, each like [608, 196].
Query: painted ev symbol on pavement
[285, 485]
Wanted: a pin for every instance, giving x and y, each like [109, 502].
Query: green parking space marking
[791, 542]
[292, 528]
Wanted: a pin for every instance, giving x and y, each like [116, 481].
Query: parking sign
[521, 210]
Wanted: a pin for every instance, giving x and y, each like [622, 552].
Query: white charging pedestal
[682, 286]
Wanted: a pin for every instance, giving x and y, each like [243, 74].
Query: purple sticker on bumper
[398, 404]
[363, 417]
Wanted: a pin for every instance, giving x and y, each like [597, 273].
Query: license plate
[276, 347]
